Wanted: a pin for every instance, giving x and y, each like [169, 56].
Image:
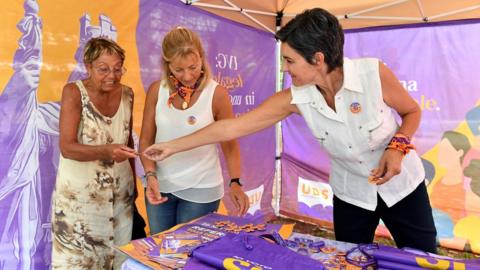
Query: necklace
[184, 92]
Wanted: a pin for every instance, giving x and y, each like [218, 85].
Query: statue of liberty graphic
[29, 146]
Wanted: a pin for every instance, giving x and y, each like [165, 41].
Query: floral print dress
[93, 200]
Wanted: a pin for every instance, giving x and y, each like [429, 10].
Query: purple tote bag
[399, 259]
[243, 251]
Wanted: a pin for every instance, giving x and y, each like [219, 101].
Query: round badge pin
[191, 120]
[355, 107]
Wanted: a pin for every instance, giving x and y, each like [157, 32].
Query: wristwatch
[235, 180]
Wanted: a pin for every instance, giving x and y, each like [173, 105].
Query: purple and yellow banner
[437, 64]
[41, 50]
[243, 61]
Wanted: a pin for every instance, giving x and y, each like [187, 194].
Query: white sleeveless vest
[357, 141]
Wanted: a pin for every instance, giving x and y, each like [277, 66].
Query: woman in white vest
[190, 184]
[349, 106]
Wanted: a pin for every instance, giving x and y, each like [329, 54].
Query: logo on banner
[312, 193]
[255, 197]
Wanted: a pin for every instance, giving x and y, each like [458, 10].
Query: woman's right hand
[120, 152]
[153, 191]
[158, 151]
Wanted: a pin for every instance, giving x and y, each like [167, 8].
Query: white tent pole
[260, 12]
[257, 22]
[454, 12]
[234, 8]
[420, 8]
[277, 185]
[355, 14]
[384, 18]
[393, 3]
[249, 16]
[215, 6]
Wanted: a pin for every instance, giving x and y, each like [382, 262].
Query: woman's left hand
[390, 165]
[239, 199]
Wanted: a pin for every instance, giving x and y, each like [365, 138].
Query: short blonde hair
[180, 42]
[96, 46]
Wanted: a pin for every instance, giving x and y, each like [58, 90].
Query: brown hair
[458, 140]
[96, 46]
[180, 42]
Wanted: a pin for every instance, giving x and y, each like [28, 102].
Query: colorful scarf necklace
[184, 92]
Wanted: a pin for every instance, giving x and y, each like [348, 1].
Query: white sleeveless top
[193, 175]
[93, 200]
[356, 141]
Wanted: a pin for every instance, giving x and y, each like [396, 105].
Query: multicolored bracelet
[401, 143]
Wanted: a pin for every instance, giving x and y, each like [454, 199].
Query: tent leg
[277, 184]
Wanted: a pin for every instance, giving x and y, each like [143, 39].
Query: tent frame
[355, 15]
[276, 192]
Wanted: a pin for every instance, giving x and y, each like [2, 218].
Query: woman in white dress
[93, 199]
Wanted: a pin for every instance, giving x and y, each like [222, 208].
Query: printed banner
[437, 64]
[312, 193]
[41, 50]
[248, 73]
[255, 198]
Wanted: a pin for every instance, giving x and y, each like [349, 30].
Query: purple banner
[437, 65]
[29, 143]
[242, 60]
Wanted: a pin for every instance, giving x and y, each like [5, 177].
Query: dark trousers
[138, 229]
[410, 221]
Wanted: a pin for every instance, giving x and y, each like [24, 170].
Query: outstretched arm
[274, 109]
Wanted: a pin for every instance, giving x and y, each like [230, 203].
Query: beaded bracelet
[401, 143]
[150, 173]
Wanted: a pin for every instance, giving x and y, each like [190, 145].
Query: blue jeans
[174, 211]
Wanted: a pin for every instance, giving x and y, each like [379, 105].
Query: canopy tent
[269, 15]
[441, 60]
[299, 179]
[351, 13]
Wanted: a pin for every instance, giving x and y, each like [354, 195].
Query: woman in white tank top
[188, 185]
[349, 106]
